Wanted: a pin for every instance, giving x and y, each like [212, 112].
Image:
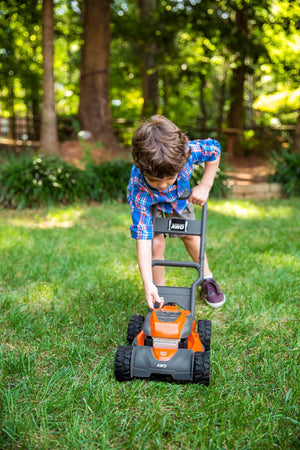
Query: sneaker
[214, 297]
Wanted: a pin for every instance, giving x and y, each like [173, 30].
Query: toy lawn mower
[166, 343]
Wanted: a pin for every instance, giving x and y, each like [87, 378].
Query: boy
[163, 164]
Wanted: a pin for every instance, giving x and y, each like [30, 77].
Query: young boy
[163, 164]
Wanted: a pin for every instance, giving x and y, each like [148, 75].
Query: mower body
[168, 342]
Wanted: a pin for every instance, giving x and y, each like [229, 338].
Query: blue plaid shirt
[141, 196]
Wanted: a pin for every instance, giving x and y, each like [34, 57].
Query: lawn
[69, 283]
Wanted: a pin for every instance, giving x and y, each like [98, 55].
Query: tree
[49, 137]
[149, 62]
[94, 108]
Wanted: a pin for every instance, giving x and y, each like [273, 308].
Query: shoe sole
[216, 305]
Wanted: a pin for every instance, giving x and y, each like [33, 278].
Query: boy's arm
[199, 193]
[144, 256]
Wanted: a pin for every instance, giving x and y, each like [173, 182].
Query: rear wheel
[201, 368]
[135, 325]
[204, 330]
[122, 363]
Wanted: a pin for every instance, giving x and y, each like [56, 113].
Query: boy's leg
[158, 252]
[192, 245]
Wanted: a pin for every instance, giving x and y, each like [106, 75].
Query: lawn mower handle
[194, 230]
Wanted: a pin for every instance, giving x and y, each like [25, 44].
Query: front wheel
[204, 330]
[135, 325]
[122, 363]
[201, 373]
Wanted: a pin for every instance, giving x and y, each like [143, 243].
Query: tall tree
[94, 108]
[236, 113]
[149, 61]
[49, 137]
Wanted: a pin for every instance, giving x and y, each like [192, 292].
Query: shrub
[29, 181]
[107, 181]
[287, 172]
[33, 181]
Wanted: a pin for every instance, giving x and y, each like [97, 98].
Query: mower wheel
[204, 330]
[201, 368]
[135, 325]
[122, 363]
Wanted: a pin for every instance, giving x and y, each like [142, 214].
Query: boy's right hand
[152, 297]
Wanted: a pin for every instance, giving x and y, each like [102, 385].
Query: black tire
[122, 363]
[135, 325]
[201, 373]
[204, 330]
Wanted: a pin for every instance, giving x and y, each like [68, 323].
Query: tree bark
[221, 104]
[49, 136]
[150, 76]
[94, 108]
[202, 104]
[236, 113]
[296, 142]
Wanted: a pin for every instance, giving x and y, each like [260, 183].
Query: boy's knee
[189, 239]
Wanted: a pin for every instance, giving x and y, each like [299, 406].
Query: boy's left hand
[199, 194]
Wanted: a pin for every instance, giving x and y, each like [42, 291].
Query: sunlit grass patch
[250, 209]
[54, 217]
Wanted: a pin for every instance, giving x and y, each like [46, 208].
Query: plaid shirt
[141, 196]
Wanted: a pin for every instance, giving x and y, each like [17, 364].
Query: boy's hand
[152, 297]
[199, 194]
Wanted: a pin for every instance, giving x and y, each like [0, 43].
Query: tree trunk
[296, 142]
[221, 104]
[236, 113]
[149, 72]
[49, 138]
[94, 108]
[202, 104]
[12, 120]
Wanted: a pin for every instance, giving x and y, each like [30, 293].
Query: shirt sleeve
[140, 206]
[204, 150]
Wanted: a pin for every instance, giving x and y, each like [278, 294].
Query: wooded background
[225, 68]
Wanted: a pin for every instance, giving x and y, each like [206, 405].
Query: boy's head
[159, 148]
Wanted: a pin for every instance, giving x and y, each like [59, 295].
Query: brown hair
[159, 148]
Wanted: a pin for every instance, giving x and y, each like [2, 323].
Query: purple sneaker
[214, 297]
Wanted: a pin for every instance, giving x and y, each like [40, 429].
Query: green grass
[68, 284]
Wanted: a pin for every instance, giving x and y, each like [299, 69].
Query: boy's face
[160, 183]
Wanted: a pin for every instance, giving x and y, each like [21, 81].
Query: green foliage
[33, 181]
[287, 172]
[107, 181]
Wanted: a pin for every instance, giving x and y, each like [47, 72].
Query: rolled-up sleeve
[204, 150]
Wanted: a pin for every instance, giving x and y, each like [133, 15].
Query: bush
[287, 172]
[29, 181]
[34, 181]
[107, 181]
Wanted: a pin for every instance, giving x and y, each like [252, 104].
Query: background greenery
[287, 172]
[37, 180]
[198, 46]
[69, 283]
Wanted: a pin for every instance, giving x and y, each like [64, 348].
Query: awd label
[177, 225]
